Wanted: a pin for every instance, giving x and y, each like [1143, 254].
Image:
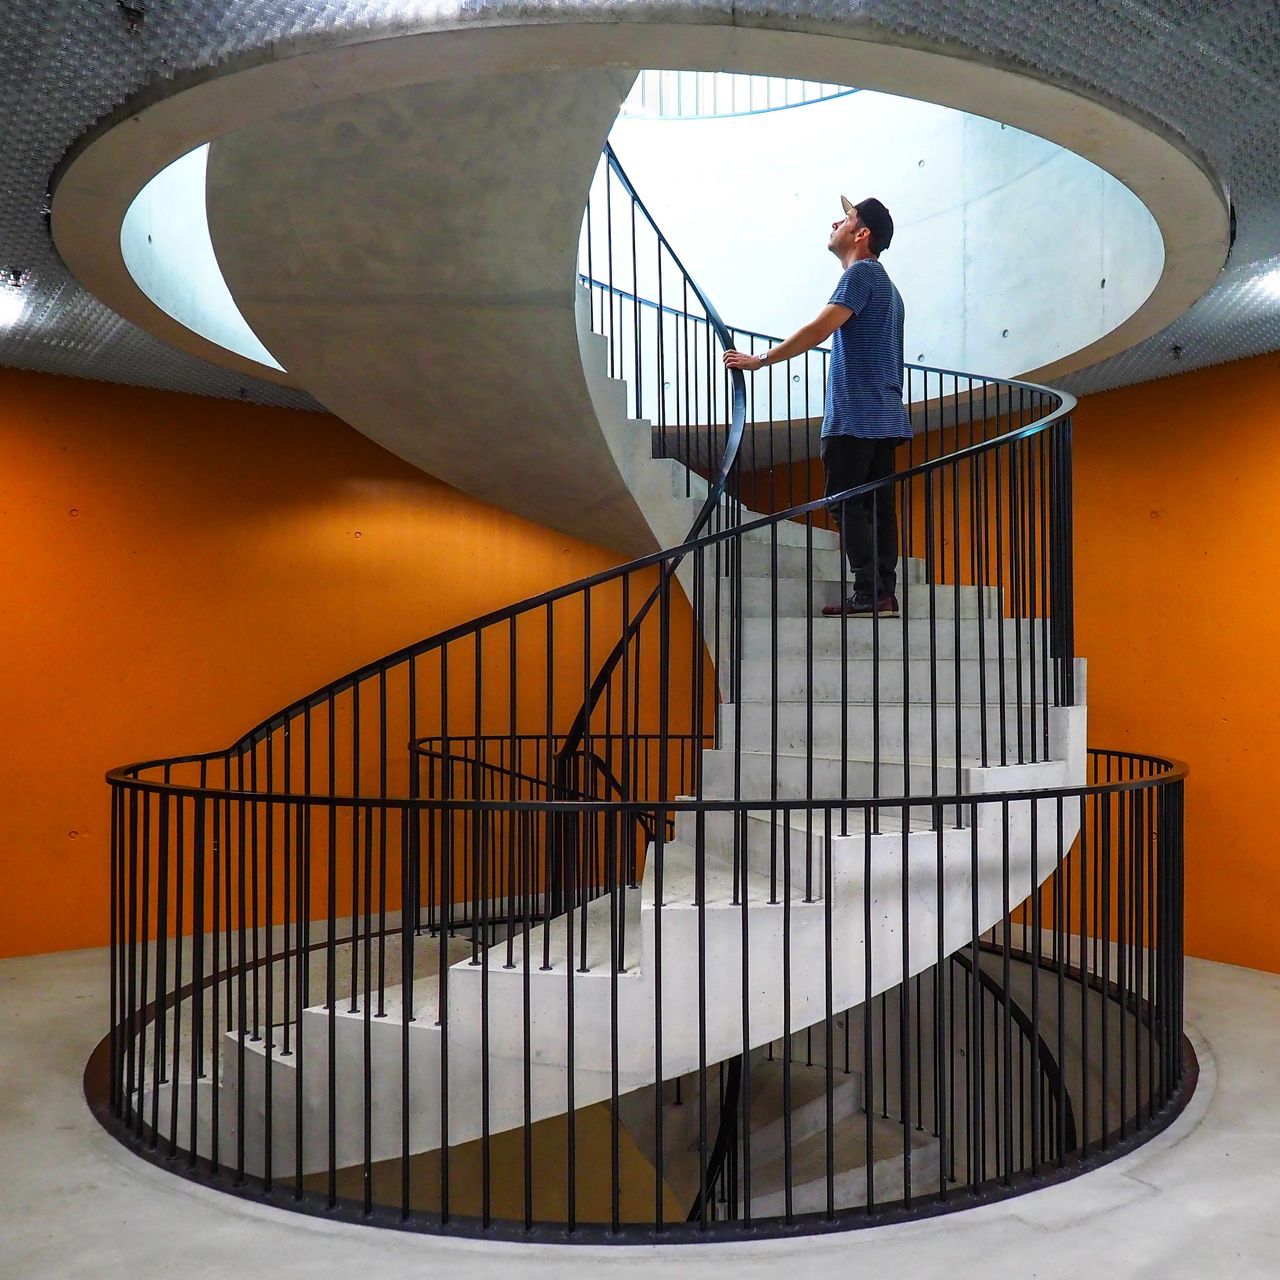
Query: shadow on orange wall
[178, 568]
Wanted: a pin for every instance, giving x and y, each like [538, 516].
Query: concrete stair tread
[610, 919]
[426, 1006]
[799, 820]
[858, 679]
[798, 637]
[863, 755]
[831, 622]
[792, 596]
[919, 588]
[992, 704]
[790, 533]
[808, 1163]
[770, 1088]
[834, 661]
[800, 1095]
[851, 823]
[722, 885]
[426, 970]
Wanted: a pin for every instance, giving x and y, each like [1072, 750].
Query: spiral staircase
[649, 829]
[509, 1011]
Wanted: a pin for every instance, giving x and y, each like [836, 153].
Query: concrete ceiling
[1208, 72]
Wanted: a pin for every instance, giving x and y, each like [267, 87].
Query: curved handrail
[718, 488]
[1050, 1067]
[704, 541]
[1165, 769]
[721, 330]
[130, 1074]
[646, 817]
[726, 1139]
[1066, 404]
[700, 539]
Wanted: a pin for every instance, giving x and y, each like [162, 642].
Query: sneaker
[860, 605]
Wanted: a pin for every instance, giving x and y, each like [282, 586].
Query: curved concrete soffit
[99, 179]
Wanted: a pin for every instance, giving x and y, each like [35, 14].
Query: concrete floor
[1198, 1200]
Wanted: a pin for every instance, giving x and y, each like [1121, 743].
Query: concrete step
[825, 776]
[796, 727]
[775, 844]
[794, 1101]
[797, 636]
[766, 826]
[806, 1170]
[796, 597]
[614, 923]
[799, 776]
[780, 1100]
[860, 678]
[760, 559]
[587, 937]
[687, 881]
[789, 533]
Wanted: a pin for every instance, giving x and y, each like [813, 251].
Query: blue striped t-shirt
[864, 382]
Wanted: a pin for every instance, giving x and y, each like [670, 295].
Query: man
[865, 419]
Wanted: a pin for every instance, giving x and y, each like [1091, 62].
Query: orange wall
[1178, 612]
[211, 572]
[176, 568]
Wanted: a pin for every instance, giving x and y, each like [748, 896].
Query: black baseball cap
[875, 217]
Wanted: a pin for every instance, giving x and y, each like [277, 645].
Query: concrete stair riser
[797, 778]
[849, 1187]
[721, 925]
[796, 598]
[786, 533]
[761, 559]
[773, 842]
[797, 637]
[773, 1109]
[798, 726]
[860, 678]
[768, 1141]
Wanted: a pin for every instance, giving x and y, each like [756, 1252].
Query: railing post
[1062, 590]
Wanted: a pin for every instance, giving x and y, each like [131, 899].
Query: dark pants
[868, 524]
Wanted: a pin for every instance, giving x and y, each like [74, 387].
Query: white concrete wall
[1002, 239]
[164, 240]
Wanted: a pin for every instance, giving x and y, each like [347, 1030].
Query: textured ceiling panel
[1208, 70]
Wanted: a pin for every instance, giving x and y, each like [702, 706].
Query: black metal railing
[432, 945]
[1036, 1088]
[1015, 1014]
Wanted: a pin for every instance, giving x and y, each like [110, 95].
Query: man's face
[845, 234]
